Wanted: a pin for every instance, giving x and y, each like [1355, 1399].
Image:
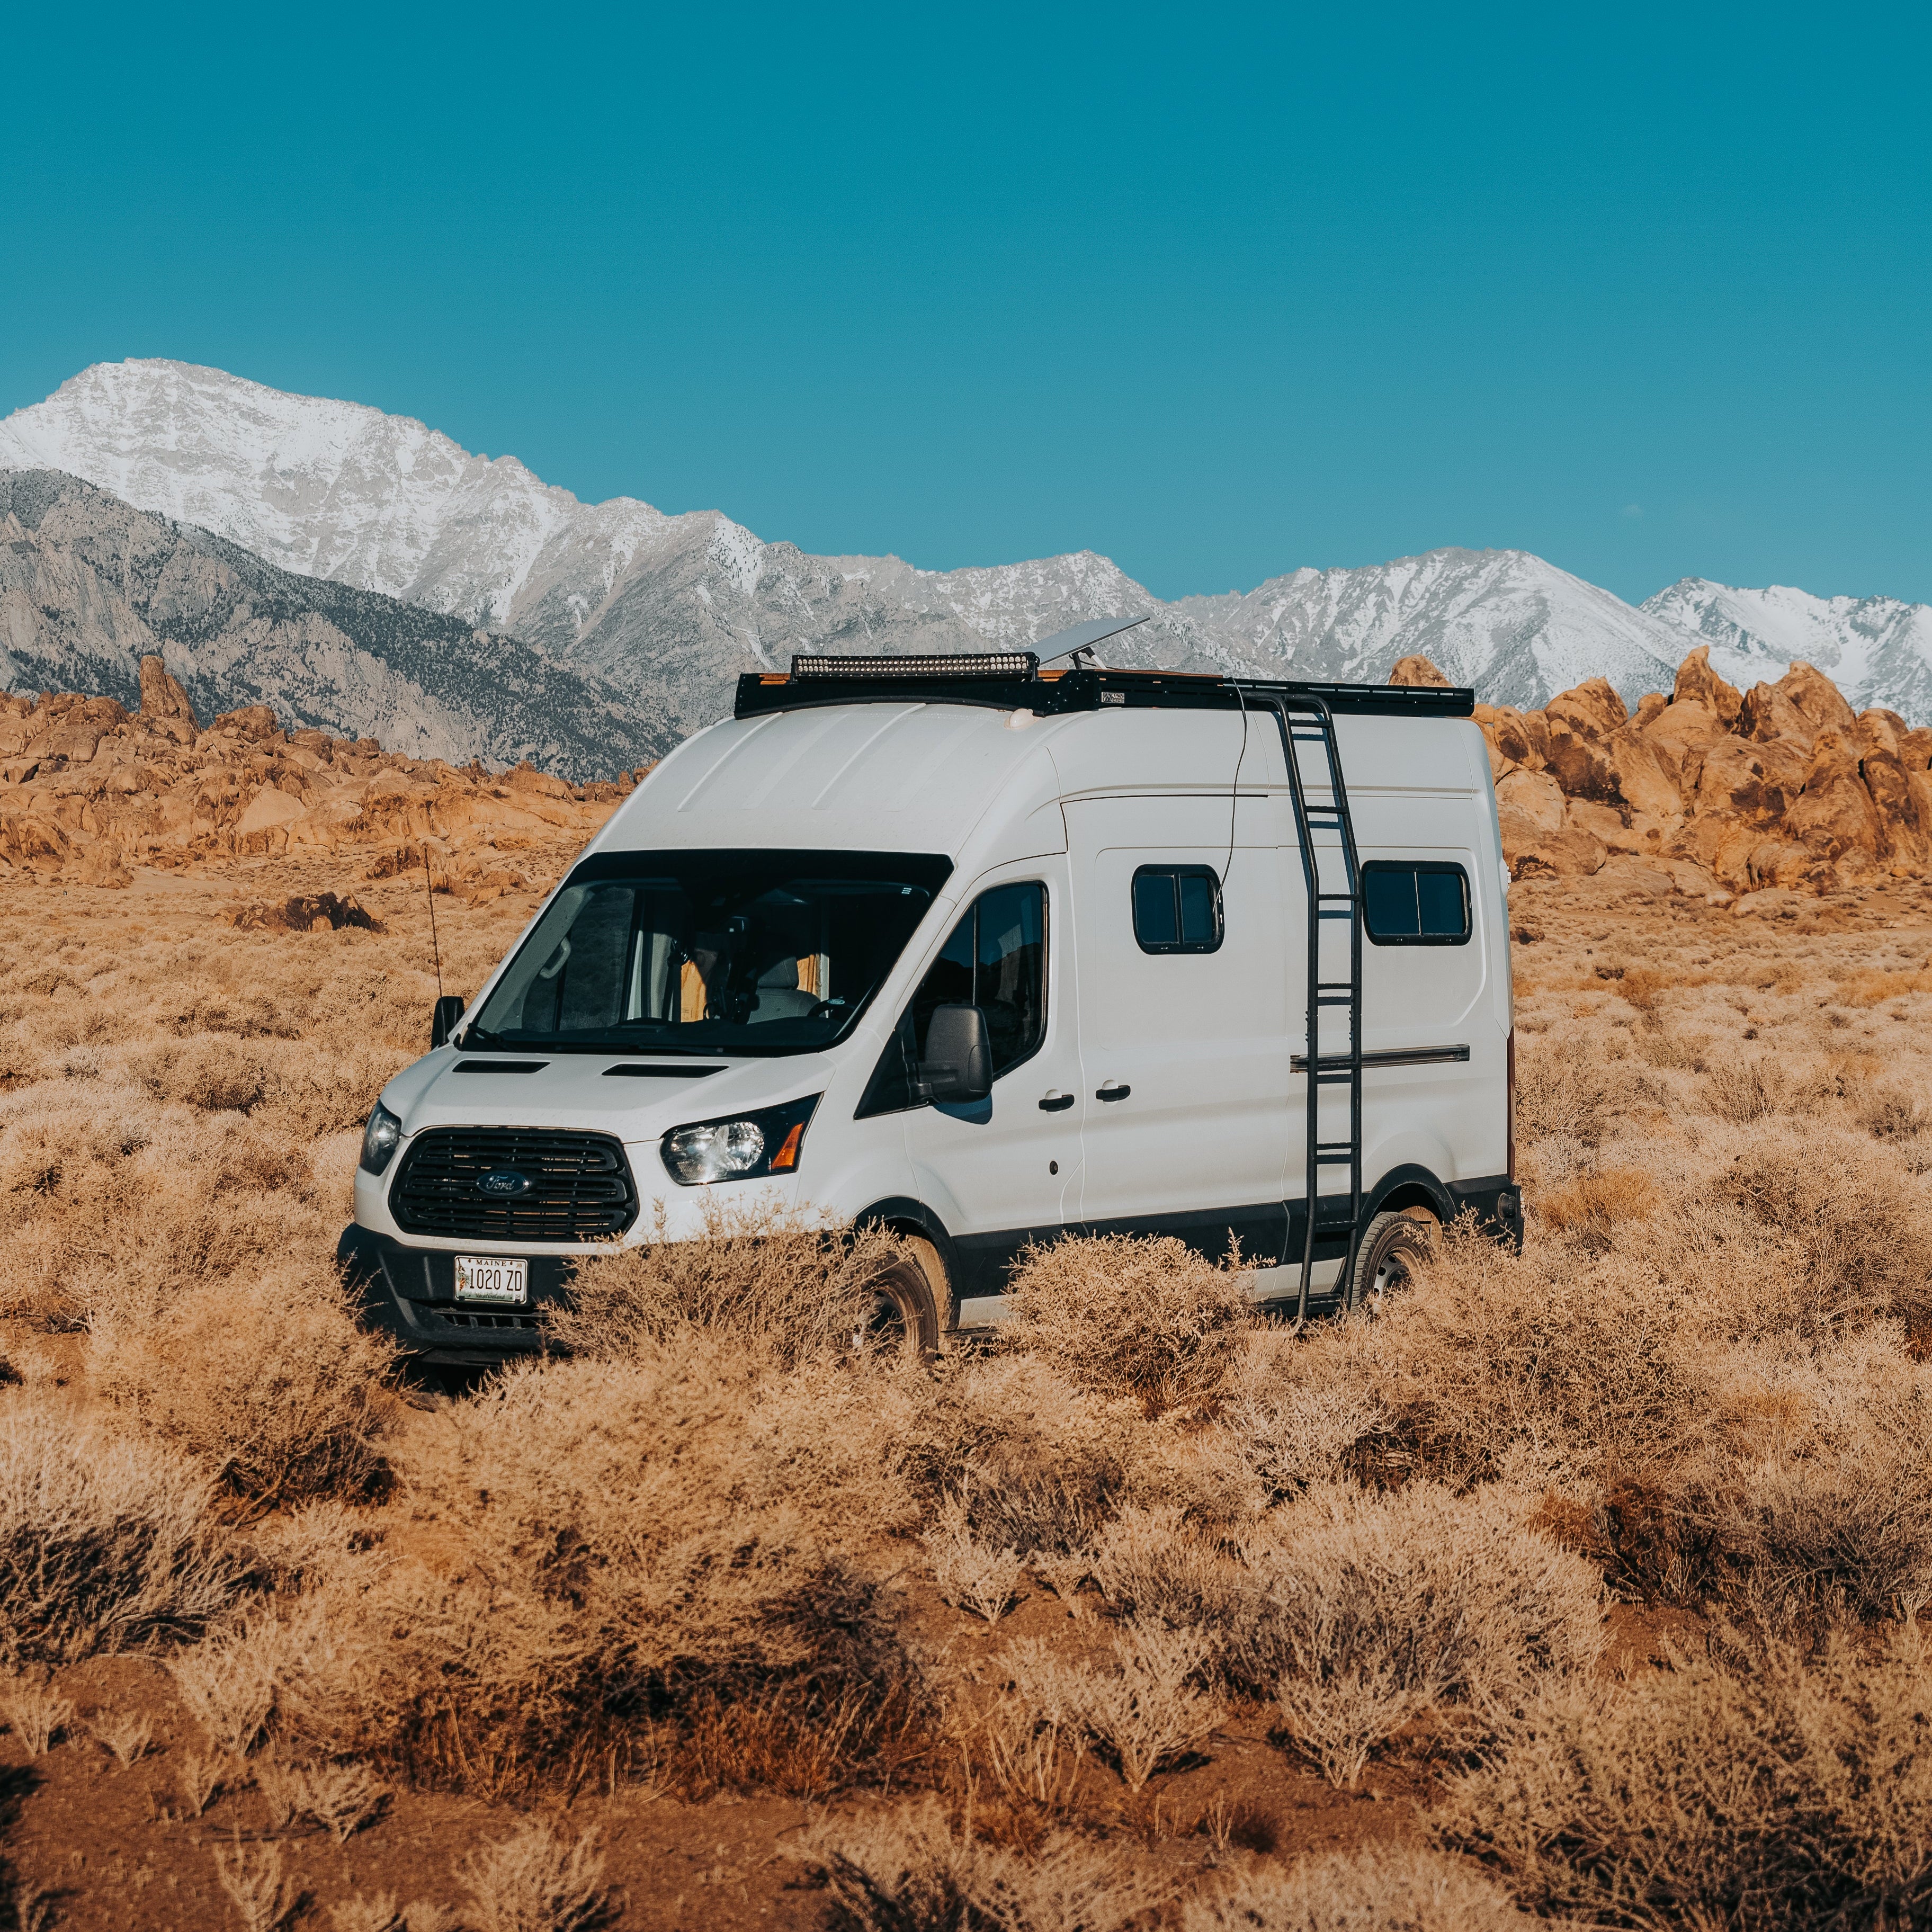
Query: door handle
[1113, 1090]
[1055, 1102]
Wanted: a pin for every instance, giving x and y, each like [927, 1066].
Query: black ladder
[1314, 724]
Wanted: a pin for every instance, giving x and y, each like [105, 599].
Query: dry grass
[534, 1881]
[105, 1539]
[796, 1285]
[718, 1547]
[1121, 1316]
[912, 1871]
[1795, 1792]
[1405, 1890]
[1383, 1608]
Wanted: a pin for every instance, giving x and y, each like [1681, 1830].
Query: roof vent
[991, 664]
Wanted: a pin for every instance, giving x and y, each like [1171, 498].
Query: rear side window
[1177, 909]
[1416, 902]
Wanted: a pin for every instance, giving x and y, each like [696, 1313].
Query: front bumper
[410, 1293]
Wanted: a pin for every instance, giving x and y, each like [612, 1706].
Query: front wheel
[1394, 1244]
[905, 1303]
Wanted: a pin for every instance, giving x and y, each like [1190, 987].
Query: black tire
[906, 1303]
[1393, 1244]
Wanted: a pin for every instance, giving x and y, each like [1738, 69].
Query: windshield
[761, 953]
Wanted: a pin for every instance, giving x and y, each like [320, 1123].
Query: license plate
[491, 1278]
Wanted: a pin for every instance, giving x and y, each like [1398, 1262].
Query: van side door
[1004, 1171]
[1184, 1041]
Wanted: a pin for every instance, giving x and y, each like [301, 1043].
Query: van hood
[578, 1091]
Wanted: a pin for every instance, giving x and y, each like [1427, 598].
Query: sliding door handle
[1112, 1091]
[1055, 1102]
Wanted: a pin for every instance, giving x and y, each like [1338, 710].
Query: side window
[1416, 902]
[1178, 909]
[995, 959]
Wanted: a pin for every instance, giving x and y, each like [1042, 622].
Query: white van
[987, 952]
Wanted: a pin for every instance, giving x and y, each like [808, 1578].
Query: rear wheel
[1393, 1245]
[907, 1296]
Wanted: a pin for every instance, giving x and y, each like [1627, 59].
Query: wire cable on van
[1234, 790]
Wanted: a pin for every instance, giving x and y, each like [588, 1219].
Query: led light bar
[989, 663]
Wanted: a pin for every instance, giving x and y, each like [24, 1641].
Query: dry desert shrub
[1780, 1795]
[35, 1714]
[1290, 1434]
[106, 1540]
[1150, 1708]
[630, 1550]
[533, 1881]
[1379, 1609]
[1742, 1087]
[972, 1575]
[1151, 1565]
[257, 1882]
[1889, 1113]
[341, 1797]
[793, 1283]
[231, 1683]
[910, 1870]
[1123, 1315]
[1378, 1888]
[1853, 1224]
[1557, 1363]
[1591, 1205]
[269, 1380]
[1041, 1462]
[1565, 1087]
[212, 1072]
[126, 1737]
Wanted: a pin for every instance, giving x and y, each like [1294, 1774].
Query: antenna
[429, 893]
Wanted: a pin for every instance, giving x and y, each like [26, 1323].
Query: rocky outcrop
[88, 790]
[1721, 792]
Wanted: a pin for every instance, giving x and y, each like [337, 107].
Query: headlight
[744, 1147]
[379, 1139]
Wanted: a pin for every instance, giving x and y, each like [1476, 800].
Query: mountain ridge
[671, 608]
[89, 585]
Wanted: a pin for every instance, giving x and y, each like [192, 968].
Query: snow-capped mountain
[1876, 649]
[671, 608]
[89, 585]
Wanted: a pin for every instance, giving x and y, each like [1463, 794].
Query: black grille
[582, 1188]
[464, 1318]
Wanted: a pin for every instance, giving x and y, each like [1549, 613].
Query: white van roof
[940, 755]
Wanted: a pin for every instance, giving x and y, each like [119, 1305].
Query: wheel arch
[1409, 1186]
[905, 1215]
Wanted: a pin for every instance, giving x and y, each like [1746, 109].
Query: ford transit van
[988, 952]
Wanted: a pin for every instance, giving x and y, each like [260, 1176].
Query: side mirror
[446, 1018]
[958, 1065]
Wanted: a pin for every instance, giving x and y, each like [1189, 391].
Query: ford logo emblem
[504, 1183]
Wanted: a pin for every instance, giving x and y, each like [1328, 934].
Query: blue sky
[1218, 293]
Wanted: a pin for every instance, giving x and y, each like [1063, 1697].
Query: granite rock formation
[88, 789]
[1711, 790]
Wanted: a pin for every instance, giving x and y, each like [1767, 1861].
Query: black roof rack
[1012, 681]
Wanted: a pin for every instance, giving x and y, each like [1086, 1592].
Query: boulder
[1769, 716]
[1592, 710]
[1834, 816]
[1697, 683]
[1569, 853]
[163, 699]
[1535, 797]
[1817, 697]
[1416, 671]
